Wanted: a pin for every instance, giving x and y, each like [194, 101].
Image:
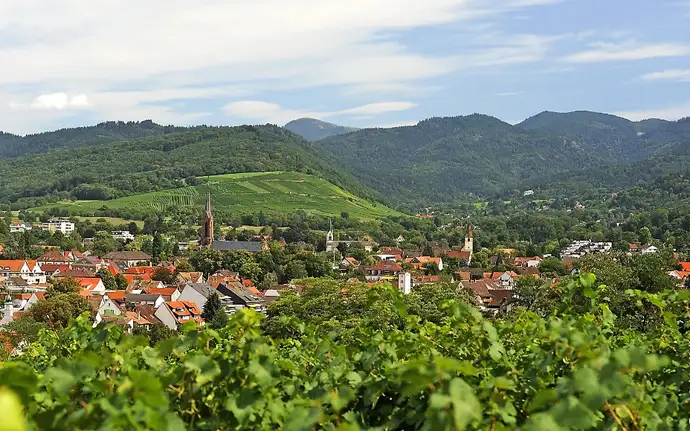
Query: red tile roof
[685, 266]
[13, 265]
[385, 265]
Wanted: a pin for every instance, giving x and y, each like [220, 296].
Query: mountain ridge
[313, 129]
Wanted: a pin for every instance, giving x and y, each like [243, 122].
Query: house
[465, 256]
[528, 193]
[420, 262]
[270, 296]
[122, 235]
[20, 226]
[505, 279]
[174, 313]
[190, 277]
[491, 296]
[383, 269]
[112, 303]
[650, 249]
[236, 296]
[527, 262]
[141, 316]
[223, 277]
[54, 257]
[684, 266]
[407, 281]
[29, 270]
[393, 251]
[197, 293]
[129, 258]
[168, 293]
[63, 226]
[138, 286]
[144, 299]
[348, 264]
[681, 276]
[91, 284]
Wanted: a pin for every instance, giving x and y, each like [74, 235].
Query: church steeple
[207, 224]
[469, 240]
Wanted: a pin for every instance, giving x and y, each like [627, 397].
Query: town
[134, 290]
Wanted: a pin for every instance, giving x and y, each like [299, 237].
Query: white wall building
[122, 235]
[65, 227]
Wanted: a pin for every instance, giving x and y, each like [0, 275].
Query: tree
[60, 286]
[357, 251]
[58, 309]
[207, 261]
[24, 329]
[251, 271]
[108, 279]
[133, 228]
[234, 260]
[219, 320]
[184, 266]
[553, 267]
[428, 251]
[103, 244]
[428, 301]
[270, 280]
[645, 235]
[212, 306]
[121, 282]
[295, 270]
[155, 333]
[157, 247]
[164, 275]
[431, 268]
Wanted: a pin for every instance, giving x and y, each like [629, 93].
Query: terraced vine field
[248, 193]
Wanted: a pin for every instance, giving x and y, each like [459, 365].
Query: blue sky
[361, 63]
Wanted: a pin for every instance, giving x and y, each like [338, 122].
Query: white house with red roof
[20, 226]
[175, 313]
[29, 270]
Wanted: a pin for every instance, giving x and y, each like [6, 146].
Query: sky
[361, 63]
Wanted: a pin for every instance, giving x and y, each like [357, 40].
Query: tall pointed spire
[208, 204]
[207, 223]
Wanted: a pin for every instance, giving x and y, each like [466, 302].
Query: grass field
[249, 193]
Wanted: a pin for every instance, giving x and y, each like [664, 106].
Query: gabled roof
[463, 255]
[164, 292]
[385, 265]
[250, 246]
[191, 277]
[88, 283]
[127, 255]
[204, 289]
[685, 266]
[54, 256]
[13, 265]
[136, 298]
[179, 309]
[116, 295]
[237, 292]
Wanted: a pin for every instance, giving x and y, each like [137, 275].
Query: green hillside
[312, 129]
[247, 193]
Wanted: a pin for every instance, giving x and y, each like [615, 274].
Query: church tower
[329, 235]
[207, 224]
[469, 240]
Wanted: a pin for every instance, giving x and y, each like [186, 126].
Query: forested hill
[442, 159]
[110, 170]
[614, 138]
[14, 146]
[313, 129]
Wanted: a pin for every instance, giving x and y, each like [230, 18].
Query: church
[207, 240]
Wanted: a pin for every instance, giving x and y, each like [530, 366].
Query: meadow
[247, 193]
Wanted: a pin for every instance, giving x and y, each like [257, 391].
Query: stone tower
[469, 240]
[207, 224]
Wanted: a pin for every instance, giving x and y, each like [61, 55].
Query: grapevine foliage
[563, 371]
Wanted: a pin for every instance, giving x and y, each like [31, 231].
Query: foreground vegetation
[373, 360]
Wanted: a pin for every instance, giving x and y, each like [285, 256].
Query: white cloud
[57, 101]
[672, 113]
[83, 47]
[627, 51]
[668, 75]
[508, 94]
[266, 112]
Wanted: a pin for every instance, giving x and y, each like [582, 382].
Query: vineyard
[247, 193]
[370, 361]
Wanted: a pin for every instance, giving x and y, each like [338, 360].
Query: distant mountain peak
[313, 129]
